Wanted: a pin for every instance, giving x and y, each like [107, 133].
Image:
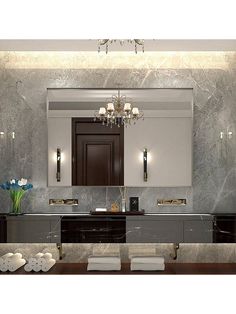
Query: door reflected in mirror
[95, 154]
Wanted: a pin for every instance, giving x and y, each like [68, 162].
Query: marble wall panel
[23, 111]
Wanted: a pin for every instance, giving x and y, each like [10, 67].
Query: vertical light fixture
[58, 165]
[145, 174]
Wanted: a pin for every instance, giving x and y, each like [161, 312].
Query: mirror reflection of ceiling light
[118, 112]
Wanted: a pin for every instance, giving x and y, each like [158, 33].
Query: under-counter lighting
[117, 60]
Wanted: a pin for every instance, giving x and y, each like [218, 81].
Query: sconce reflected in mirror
[145, 174]
[58, 175]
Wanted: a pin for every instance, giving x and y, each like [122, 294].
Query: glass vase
[16, 196]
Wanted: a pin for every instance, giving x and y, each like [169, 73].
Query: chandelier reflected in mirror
[118, 111]
[107, 42]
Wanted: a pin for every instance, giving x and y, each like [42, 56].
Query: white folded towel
[148, 259]
[104, 267]
[104, 259]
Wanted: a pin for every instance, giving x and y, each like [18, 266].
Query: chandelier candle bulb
[110, 106]
[102, 111]
[127, 106]
[135, 111]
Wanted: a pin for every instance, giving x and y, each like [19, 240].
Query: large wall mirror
[155, 151]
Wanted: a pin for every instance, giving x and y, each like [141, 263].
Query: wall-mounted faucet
[175, 249]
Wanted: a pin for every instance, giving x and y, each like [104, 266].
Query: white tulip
[22, 181]
[13, 181]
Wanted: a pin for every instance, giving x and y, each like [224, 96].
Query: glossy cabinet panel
[198, 231]
[152, 230]
[33, 229]
[107, 229]
[93, 230]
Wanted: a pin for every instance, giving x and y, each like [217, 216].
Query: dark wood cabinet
[93, 230]
[225, 229]
[97, 153]
[3, 229]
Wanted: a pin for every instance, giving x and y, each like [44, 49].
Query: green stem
[16, 196]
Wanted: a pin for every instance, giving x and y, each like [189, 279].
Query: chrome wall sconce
[145, 174]
[228, 134]
[58, 175]
[4, 134]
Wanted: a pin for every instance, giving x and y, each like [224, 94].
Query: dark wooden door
[98, 153]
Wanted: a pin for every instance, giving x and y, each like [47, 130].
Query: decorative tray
[140, 212]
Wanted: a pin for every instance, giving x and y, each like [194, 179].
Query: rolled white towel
[36, 268]
[33, 260]
[9, 259]
[45, 258]
[16, 264]
[4, 268]
[15, 257]
[28, 267]
[48, 265]
[5, 256]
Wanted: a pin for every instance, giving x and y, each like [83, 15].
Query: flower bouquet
[17, 189]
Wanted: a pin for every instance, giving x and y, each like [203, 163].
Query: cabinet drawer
[33, 230]
[198, 231]
[154, 231]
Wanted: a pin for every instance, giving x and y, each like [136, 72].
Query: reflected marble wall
[23, 110]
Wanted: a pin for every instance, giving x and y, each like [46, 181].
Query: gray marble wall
[23, 110]
[79, 253]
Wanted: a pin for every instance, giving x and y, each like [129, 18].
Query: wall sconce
[145, 175]
[12, 134]
[58, 176]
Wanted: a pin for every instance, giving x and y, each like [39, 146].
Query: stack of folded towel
[40, 262]
[104, 263]
[148, 263]
[11, 262]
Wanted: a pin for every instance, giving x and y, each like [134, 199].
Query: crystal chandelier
[107, 42]
[118, 112]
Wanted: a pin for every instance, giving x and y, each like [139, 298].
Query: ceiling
[98, 95]
[92, 45]
[91, 99]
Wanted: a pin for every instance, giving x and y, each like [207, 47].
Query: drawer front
[25, 231]
[154, 231]
[93, 230]
[198, 231]
[33, 230]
